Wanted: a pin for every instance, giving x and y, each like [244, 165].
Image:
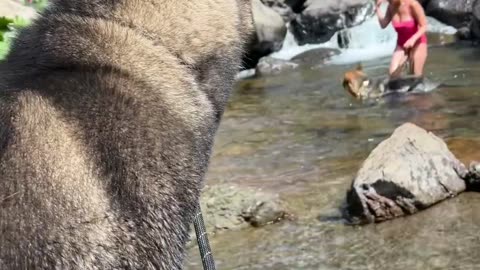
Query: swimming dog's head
[356, 82]
[359, 85]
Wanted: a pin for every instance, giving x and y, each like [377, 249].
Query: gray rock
[457, 13]
[320, 19]
[464, 33]
[270, 33]
[473, 176]
[282, 8]
[315, 56]
[269, 25]
[294, 6]
[230, 207]
[408, 172]
[272, 66]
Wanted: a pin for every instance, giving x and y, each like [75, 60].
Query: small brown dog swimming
[359, 85]
[108, 112]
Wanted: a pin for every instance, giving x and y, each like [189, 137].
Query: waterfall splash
[363, 42]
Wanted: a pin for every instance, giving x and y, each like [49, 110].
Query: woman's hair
[395, 3]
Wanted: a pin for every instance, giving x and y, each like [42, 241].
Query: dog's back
[108, 111]
[359, 85]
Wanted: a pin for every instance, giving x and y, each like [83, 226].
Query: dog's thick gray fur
[108, 110]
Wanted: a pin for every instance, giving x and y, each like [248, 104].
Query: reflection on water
[301, 135]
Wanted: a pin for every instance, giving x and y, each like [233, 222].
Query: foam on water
[290, 48]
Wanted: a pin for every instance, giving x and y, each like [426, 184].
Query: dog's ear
[359, 67]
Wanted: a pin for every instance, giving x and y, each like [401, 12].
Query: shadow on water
[299, 134]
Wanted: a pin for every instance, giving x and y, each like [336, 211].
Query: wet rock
[11, 8]
[464, 33]
[410, 171]
[457, 13]
[315, 56]
[230, 207]
[438, 39]
[320, 19]
[475, 25]
[473, 177]
[270, 32]
[286, 8]
[282, 8]
[424, 3]
[271, 66]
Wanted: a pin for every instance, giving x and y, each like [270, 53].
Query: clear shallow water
[299, 134]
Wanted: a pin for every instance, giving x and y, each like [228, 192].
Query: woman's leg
[419, 57]
[398, 58]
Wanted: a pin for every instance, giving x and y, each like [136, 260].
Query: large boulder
[320, 19]
[408, 172]
[281, 8]
[270, 33]
[286, 8]
[475, 26]
[457, 13]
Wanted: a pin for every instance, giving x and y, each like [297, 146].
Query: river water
[301, 135]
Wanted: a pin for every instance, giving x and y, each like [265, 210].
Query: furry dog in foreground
[108, 111]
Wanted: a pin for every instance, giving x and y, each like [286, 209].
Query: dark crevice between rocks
[380, 201]
[472, 177]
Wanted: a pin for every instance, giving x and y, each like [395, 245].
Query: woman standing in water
[409, 21]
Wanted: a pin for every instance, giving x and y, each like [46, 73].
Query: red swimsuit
[406, 30]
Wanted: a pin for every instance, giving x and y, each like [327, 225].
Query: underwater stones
[272, 66]
[473, 176]
[315, 56]
[230, 207]
[409, 171]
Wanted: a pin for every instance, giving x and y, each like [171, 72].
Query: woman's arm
[419, 15]
[383, 20]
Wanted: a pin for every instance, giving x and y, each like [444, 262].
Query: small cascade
[290, 47]
[363, 42]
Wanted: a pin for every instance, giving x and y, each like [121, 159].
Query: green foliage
[9, 26]
[37, 4]
[4, 35]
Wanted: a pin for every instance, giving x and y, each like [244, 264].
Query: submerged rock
[320, 19]
[315, 56]
[270, 66]
[229, 207]
[408, 172]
